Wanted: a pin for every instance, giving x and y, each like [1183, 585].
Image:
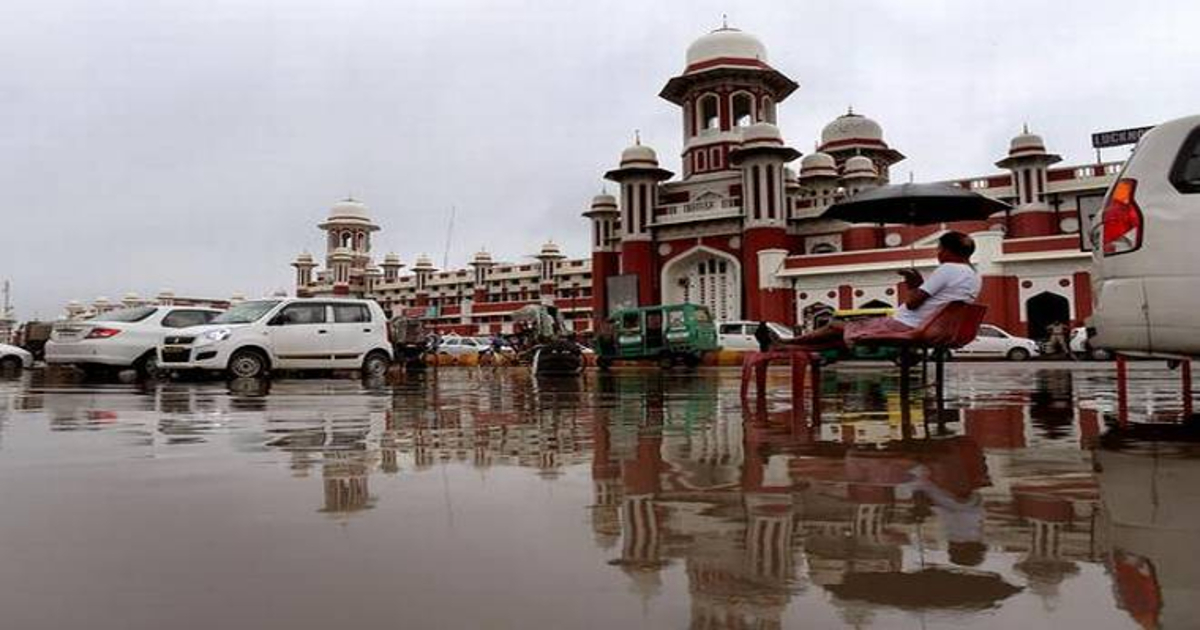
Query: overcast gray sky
[195, 144]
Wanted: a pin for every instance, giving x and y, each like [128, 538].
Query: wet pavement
[471, 498]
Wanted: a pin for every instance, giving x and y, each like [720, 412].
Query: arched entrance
[876, 304]
[708, 277]
[1044, 309]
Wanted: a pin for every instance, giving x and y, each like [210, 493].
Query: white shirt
[950, 282]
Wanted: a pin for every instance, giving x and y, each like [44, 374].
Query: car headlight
[220, 334]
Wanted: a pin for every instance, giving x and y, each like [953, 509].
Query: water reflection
[760, 517]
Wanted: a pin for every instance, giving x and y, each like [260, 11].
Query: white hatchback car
[1145, 282]
[739, 335]
[124, 338]
[456, 346]
[255, 337]
[994, 341]
[14, 359]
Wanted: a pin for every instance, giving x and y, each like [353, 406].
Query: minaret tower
[761, 157]
[304, 265]
[348, 245]
[549, 257]
[391, 268]
[482, 263]
[422, 271]
[639, 175]
[1028, 160]
[859, 174]
[605, 226]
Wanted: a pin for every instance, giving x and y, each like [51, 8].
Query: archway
[708, 277]
[876, 304]
[1044, 309]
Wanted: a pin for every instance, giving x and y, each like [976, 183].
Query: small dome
[237, 297]
[851, 126]
[1027, 145]
[762, 132]
[639, 155]
[304, 258]
[423, 264]
[818, 164]
[859, 166]
[726, 43]
[74, 304]
[102, 300]
[789, 177]
[372, 270]
[349, 209]
[482, 257]
[550, 250]
[604, 201]
[131, 297]
[391, 260]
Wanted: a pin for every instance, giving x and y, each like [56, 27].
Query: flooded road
[485, 499]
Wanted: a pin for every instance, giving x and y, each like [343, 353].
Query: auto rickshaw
[672, 334]
[869, 353]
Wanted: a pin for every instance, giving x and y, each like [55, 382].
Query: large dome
[639, 155]
[726, 43]
[851, 126]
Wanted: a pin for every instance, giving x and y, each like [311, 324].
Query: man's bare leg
[830, 335]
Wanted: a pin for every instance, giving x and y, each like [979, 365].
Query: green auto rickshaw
[671, 334]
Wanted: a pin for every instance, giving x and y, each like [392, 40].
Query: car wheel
[247, 364]
[375, 365]
[1018, 354]
[11, 365]
[147, 366]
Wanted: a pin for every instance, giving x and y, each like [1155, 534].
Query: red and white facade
[478, 299]
[740, 232]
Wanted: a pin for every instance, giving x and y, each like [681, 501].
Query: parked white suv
[255, 337]
[739, 335]
[1145, 282]
[124, 338]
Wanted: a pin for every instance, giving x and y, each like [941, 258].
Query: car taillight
[1122, 220]
[103, 333]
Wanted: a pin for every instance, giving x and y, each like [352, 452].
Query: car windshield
[126, 314]
[245, 312]
[780, 330]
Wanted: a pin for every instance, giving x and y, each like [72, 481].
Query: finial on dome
[637, 137]
[1025, 128]
[724, 21]
[849, 110]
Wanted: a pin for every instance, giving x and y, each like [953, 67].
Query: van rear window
[1185, 175]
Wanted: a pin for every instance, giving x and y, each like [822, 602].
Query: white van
[287, 334]
[1146, 275]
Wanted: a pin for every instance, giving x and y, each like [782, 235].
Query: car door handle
[322, 332]
[366, 330]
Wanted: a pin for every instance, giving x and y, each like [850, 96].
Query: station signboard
[1119, 137]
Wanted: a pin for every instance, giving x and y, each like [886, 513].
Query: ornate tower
[391, 268]
[304, 267]
[761, 157]
[639, 175]
[422, 271]
[1028, 160]
[348, 245]
[605, 225]
[482, 263]
[548, 259]
[859, 174]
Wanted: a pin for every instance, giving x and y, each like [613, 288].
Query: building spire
[724, 22]
[637, 137]
[1025, 128]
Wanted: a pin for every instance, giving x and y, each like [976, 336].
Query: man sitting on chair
[954, 280]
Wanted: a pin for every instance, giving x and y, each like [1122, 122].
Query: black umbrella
[915, 204]
[927, 588]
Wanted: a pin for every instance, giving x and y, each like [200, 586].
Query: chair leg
[1185, 371]
[760, 379]
[747, 363]
[815, 363]
[905, 401]
[940, 392]
[799, 363]
[1122, 392]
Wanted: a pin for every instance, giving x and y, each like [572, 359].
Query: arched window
[346, 236]
[710, 117]
[768, 110]
[743, 109]
[823, 248]
[362, 241]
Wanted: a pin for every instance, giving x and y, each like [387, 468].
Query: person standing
[1058, 342]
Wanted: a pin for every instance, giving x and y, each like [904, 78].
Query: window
[988, 331]
[1185, 175]
[351, 313]
[709, 116]
[823, 248]
[246, 312]
[346, 236]
[675, 319]
[743, 109]
[731, 329]
[768, 110]
[631, 321]
[301, 314]
[136, 314]
[183, 319]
